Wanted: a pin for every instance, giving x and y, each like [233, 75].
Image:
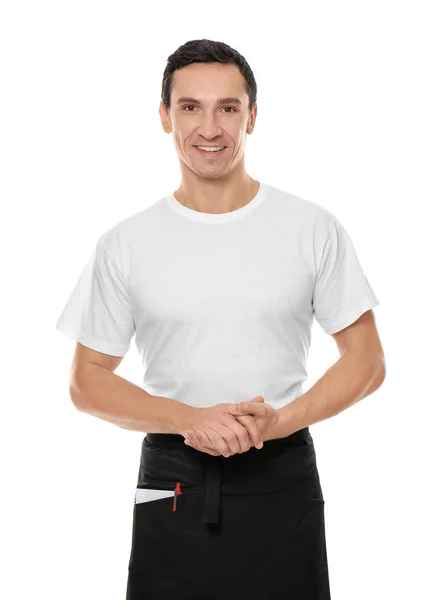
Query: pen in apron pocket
[177, 492]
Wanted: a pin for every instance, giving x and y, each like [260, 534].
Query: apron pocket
[278, 534]
[157, 526]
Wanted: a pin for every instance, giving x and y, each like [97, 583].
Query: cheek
[238, 144]
[181, 138]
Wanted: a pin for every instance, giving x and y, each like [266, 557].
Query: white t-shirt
[221, 305]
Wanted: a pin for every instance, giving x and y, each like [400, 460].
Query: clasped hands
[227, 429]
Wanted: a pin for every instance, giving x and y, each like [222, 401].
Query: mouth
[211, 153]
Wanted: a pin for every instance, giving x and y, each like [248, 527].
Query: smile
[210, 153]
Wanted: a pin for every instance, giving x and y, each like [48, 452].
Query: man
[220, 282]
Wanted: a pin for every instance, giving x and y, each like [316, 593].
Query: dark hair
[207, 51]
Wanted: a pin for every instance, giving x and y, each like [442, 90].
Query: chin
[214, 175]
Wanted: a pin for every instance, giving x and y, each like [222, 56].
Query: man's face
[205, 121]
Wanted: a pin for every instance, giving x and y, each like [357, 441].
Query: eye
[192, 106]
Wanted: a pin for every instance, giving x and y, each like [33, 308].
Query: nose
[209, 128]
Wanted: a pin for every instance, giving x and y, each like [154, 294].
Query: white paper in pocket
[144, 495]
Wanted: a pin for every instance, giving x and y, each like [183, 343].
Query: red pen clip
[177, 492]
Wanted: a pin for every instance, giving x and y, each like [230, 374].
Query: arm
[356, 374]
[98, 391]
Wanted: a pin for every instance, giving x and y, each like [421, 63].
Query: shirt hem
[94, 343]
[349, 317]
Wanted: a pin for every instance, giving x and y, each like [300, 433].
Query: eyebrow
[219, 101]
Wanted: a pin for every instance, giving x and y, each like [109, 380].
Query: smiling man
[209, 133]
[220, 282]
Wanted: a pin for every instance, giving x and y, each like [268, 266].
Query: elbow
[77, 399]
[380, 377]
[382, 368]
[380, 373]
[78, 395]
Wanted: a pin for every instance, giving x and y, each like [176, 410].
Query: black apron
[250, 526]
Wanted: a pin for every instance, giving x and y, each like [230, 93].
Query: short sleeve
[98, 313]
[342, 292]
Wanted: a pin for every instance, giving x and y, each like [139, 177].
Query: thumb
[256, 399]
[243, 408]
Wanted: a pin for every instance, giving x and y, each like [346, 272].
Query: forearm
[352, 377]
[103, 394]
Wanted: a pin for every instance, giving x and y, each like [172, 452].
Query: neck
[216, 196]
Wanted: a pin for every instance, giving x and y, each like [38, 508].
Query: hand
[267, 418]
[215, 431]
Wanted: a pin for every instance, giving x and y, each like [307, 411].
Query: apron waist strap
[212, 467]
[212, 493]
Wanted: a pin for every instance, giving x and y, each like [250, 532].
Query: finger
[250, 421]
[235, 435]
[253, 429]
[244, 420]
[220, 439]
[207, 444]
[204, 450]
[244, 408]
[200, 441]
[193, 440]
[196, 440]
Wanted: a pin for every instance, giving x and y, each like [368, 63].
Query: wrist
[184, 416]
[284, 426]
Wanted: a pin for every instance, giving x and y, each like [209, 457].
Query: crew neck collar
[203, 217]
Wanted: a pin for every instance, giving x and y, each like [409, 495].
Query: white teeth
[210, 148]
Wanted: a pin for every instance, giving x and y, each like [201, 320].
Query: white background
[351, 115]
